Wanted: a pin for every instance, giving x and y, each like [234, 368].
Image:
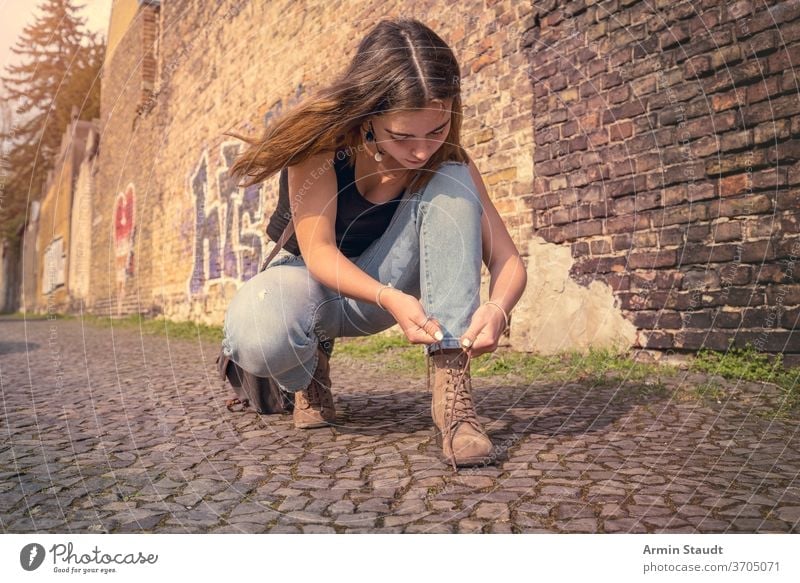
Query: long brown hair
[400, 64]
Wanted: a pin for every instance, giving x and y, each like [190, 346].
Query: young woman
[387, 210]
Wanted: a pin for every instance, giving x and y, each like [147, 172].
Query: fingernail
[438, 335]
[466, 342]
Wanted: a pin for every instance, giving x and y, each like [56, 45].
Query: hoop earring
[370, 137]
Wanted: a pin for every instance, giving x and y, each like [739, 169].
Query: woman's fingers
[427, 331]
[481, 344]
[433, 330]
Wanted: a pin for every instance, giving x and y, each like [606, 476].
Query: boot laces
[459, 407]
[319, 389]
[318, 393]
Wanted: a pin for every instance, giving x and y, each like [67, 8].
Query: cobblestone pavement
[116, 432]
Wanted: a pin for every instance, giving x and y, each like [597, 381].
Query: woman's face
[411, 137]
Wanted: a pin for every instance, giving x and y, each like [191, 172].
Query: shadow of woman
[509, 413]
[13, 347]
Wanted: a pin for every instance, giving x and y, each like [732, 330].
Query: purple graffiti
[206, 229]
[242, 251]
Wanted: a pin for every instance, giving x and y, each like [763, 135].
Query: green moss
[750, 364]
[156, 327]
[598, 366]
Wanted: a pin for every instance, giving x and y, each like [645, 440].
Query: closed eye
[401, 138]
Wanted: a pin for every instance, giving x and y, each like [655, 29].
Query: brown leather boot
[313, 406]
[459, 433]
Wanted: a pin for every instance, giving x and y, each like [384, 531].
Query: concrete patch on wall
[54, 260]
[555, 313]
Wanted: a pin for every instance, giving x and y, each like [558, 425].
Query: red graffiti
[124, 229]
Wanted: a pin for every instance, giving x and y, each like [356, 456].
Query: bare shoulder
[312, 200]
[314, 166]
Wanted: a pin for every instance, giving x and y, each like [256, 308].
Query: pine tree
[61, 69]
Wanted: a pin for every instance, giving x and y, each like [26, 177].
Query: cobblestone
[108, 431]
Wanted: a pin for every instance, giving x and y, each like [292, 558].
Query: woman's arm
[312, 199]
[508, 274]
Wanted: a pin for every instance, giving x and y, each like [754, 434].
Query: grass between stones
[597, 367]
[748, 364]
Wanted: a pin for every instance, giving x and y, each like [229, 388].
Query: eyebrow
[411, 136]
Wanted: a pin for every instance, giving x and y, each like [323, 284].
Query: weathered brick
[774, 273]
[580, 249]
[676, 194]
[790, 318]
[599, 264]
[642, 201]
[773, 109]
[658, 339]
[697, 319]
[767, 89]
[757, 251]
[650, 259]
[728, 319]
[758, 317]
[738, 162]
[680, 214]
[627, 186]
[714, 339]
[744, 206]
[726, 56]
[770, 340]
[731, 141]
[786, 152]
[627, 223]
[727, 231]
[699, 232]
[600, 246]
[640, 239]
[646, 319]
[735, 273]
[771, 132]
[700, 279]
[734, 184]
[618, 281]
[694, 253]
[787, 295]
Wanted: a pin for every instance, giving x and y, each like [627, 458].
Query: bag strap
[287, 232]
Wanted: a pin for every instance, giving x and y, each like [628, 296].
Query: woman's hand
[484, 330]
[411, 317]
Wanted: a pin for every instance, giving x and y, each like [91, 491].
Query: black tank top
[358, 221]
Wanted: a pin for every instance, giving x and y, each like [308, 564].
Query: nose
[419, 153]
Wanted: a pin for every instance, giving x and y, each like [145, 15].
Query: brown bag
[261, 393]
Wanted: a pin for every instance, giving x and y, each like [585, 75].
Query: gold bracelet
[378, 295]
[498, 306]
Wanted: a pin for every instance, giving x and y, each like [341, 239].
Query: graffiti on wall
[229, 242]
[124, 231]
[229, 234]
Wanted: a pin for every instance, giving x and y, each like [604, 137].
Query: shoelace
[461, 408]
[317, 393]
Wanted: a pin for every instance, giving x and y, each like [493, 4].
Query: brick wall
[654, 143]
[667, 140]
[125, 181]
[196, 237]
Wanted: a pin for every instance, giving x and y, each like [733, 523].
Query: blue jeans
[431, 250]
